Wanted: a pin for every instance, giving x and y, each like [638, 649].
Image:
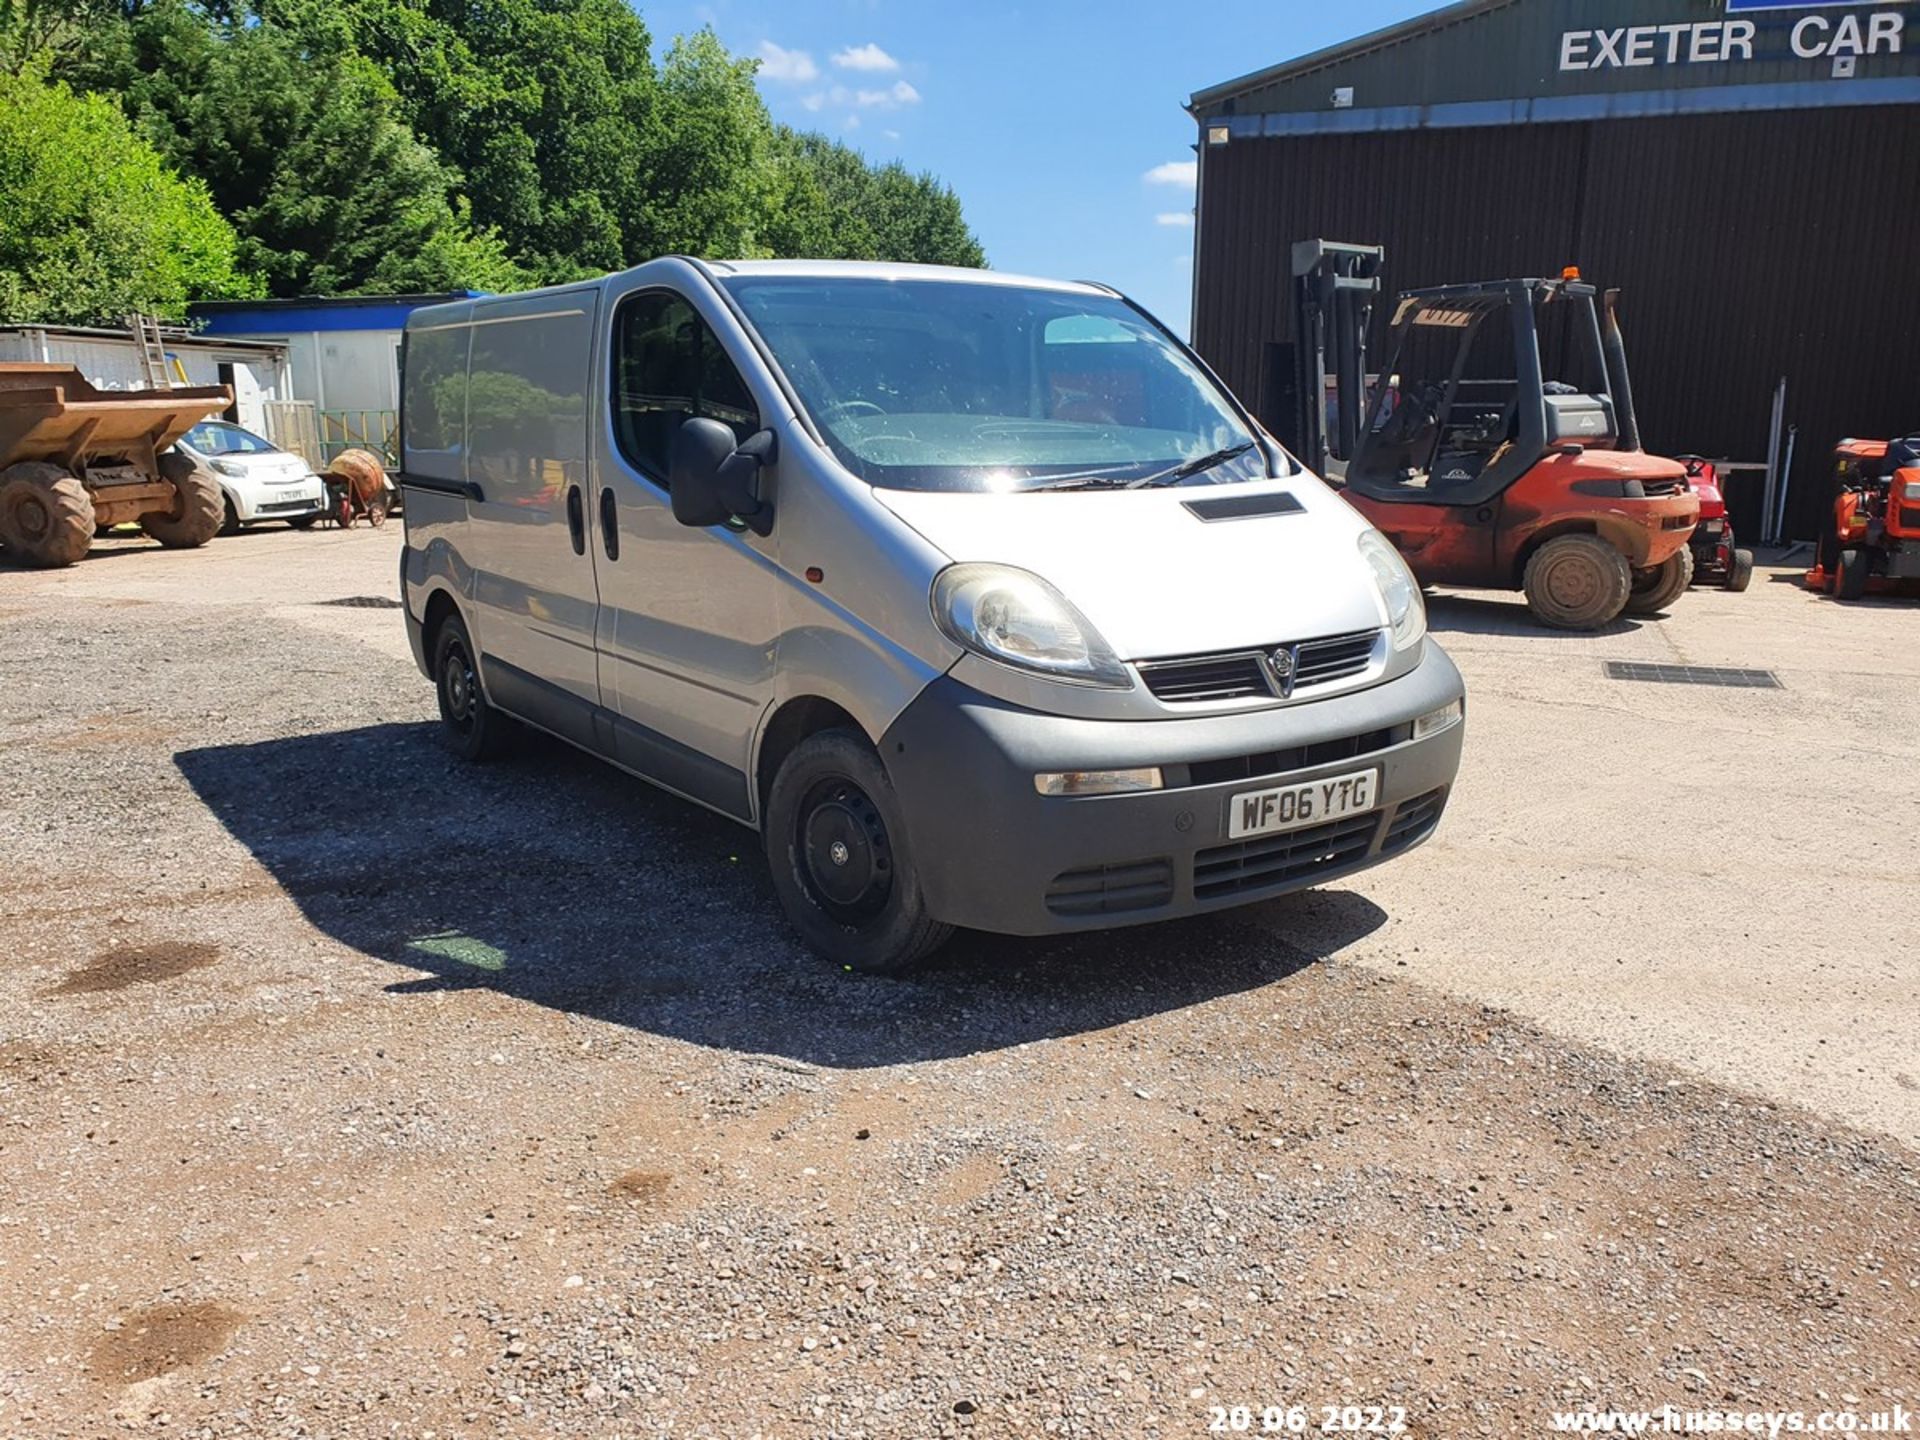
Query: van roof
[432, 316]
[882, 270]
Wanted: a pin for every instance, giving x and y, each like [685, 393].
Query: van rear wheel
[837, 848]
[473, 729]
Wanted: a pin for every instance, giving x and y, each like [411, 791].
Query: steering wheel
[853, 407]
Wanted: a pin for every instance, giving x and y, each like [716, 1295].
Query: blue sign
[1735, 7]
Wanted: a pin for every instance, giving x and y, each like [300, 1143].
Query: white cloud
[1174, 217]
[892, 98]
[792, 65]
[891, 134]
[898, 93]
[1174, 172]
[865, 57]
[853, 122]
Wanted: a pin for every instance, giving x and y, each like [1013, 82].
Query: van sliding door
[535, 593]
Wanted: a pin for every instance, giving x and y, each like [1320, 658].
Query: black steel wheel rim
[845, 854]
[458, 686]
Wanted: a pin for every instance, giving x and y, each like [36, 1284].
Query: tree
[547, 109]
[834, 205]
[298, 139]
[364, 145]
[709, 181]
[916, 217]
[93, 225]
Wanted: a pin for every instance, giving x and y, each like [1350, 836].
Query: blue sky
[1048, 118]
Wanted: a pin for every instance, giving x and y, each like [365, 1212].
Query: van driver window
[670, 366]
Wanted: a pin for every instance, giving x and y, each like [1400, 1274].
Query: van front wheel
[839, 857]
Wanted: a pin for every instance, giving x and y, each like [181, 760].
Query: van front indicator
[1098, 782]
[1434, 721]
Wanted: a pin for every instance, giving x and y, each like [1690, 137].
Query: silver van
[978, 597]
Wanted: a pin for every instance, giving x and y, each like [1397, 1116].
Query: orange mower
[1870, 541]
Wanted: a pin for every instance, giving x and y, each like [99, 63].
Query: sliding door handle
[609, 524]
[577, 519]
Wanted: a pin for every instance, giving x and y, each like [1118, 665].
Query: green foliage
[300, 143]
[424, 145]
[833, 205]
[547, 109]
[93, 225]
[710, 179]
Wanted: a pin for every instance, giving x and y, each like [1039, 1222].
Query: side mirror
[712, 480]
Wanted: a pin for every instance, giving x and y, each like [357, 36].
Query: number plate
[1288, 807]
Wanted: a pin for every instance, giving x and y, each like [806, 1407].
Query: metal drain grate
[1724, 676]
[365, 602]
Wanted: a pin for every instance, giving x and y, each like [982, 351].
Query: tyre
[1855, 567]
[1740, 571]
[199, 507]
[1577, 582]
[230, 519]
[472, 728]
[837, 847]
[1658, 586]
[377, 512]
[46, 515]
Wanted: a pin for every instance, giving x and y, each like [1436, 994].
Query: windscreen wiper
[1190, 467]
[1078, 482]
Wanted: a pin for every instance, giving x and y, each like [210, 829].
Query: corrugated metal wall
[1748, 246]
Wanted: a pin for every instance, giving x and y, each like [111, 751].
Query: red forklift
[1482, 470]
[1871, 540]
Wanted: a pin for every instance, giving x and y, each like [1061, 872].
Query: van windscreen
[951, 385]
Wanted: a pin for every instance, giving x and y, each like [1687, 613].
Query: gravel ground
[348, 1091]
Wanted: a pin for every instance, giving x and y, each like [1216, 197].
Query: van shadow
[1482, 615]
[555, 879]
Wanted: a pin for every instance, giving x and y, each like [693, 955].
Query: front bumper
[994, 854]
[290, 500]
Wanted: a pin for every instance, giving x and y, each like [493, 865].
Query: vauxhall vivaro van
[978, 597]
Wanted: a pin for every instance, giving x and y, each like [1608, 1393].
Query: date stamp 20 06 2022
[1307, 1419]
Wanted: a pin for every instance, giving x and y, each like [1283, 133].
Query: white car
[259, 481]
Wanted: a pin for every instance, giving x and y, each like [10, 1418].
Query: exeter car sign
[1814, 36]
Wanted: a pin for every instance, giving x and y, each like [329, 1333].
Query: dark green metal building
[1748, 173]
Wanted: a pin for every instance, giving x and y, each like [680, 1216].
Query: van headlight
[1399, 591]
[1015, 617]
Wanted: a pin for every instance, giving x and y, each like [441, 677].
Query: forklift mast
[1334, 287]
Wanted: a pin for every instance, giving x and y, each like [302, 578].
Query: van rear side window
[436, 399]
[669, 366]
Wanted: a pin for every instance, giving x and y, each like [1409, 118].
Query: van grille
[1112, 889]
[1297, 757]
[1414, 821]
[1277, 859]
[1237, 675]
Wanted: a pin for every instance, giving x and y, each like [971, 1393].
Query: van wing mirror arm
[739, 480]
